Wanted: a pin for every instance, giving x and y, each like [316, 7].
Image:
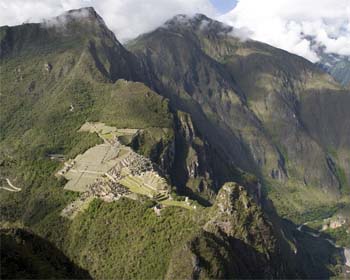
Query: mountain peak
[197, 22]
[77, 15]
[85, 12]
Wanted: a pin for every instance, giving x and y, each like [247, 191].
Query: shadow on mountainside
[28, 256]
[306, 256]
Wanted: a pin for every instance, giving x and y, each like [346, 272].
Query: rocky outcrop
[157, 144]
[236, 215]
[236, 241]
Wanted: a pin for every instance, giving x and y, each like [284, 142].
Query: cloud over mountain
[281, 23]
[126, 18]
[285, 23]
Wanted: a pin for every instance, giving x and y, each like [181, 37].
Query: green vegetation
[345, 186]
[126, 239]
[303, 203]
[153, 142]
[340, 235]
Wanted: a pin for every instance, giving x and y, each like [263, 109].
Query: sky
[281, 23]
[224, 6]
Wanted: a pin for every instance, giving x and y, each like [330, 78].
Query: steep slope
[52, 82]
[225, 248]
[263, 108]
[238, 241]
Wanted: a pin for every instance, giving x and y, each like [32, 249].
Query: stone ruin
[67, 166]
[103, 188]
[107, 186]
[107, 190]
[137, 164]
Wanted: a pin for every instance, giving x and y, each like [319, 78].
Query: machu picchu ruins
[111, 170]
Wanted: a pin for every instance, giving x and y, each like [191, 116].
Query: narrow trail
[11, 187]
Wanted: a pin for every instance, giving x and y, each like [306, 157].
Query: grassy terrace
[136, 185]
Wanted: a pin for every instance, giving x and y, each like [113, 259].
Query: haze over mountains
[256, 138]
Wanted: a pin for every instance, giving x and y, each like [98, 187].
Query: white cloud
[126, 18]
[281, 23]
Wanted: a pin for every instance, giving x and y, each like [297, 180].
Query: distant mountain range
[252, 142]
[336, 65]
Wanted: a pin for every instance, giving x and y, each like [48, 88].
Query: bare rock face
[187, 127]
[189, 135]
[192, 158]
[167, 157]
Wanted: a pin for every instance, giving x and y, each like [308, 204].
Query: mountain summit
[83, 14]
[197, 22]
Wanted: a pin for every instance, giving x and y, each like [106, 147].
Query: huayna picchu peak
[188, 152]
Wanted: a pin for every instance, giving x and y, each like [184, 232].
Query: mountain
[338, 66]
[188, 152]
[267, 111]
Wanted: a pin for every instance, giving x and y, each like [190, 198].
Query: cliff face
[199, 169]
[192, 171]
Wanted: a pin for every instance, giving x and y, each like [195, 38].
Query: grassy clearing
[175, 203]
